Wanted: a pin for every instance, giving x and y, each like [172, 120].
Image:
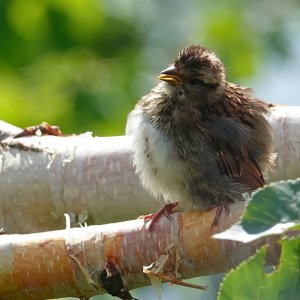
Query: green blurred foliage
[83, 64]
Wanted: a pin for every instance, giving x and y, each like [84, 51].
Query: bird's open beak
[170, 75]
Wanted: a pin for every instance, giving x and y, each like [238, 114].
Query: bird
[198, 139]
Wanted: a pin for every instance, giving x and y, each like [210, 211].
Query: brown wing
[241, 167]
[232, 124]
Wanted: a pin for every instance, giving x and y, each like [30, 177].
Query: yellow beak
[170, 75]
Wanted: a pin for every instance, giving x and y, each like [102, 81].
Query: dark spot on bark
[111, 281]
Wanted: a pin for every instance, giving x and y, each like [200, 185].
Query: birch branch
[76, 262]
[93, 179]
[94, 175]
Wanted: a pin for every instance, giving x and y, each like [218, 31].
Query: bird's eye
[196, 81]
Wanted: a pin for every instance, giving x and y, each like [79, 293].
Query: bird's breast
[156, 159]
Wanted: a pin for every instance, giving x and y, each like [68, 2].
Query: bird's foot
[223, 204]
[42, 129]
[167, 210]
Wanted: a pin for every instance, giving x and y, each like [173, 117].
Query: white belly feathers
[155, 159]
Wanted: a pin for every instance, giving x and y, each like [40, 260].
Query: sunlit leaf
[249, 280]
[272, 210]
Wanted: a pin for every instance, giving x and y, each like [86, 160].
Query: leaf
[249, 281]
[272, 210]
[248, 274]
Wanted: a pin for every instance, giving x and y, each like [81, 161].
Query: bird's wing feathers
[234, 152]
[242, 168]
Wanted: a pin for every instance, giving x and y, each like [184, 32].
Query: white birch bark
[92, 178]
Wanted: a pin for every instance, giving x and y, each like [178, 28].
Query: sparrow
[198, 139]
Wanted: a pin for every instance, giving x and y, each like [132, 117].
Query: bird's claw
[224, 204]
[167, 210]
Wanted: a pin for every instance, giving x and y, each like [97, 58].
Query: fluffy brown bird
[199, 139]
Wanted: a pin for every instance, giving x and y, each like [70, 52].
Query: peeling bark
[72, 262]
[93, 179]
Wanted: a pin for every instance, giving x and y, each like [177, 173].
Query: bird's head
[197, 74]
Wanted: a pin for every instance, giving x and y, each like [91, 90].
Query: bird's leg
[167, 210]
[42, 129]
[223, 204]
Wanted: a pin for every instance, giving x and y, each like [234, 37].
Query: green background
[82, 65]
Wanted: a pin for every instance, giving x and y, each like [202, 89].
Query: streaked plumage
[199, 139]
